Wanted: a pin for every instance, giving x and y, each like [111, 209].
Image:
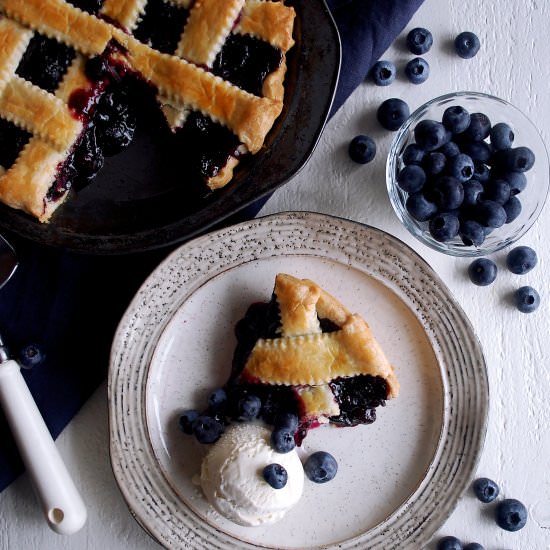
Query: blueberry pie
[305, 352]
[72, 75]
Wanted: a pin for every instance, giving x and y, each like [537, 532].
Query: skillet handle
[61, 503]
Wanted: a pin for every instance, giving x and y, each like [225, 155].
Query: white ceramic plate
[398, 478]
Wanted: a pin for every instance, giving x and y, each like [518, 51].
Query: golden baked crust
[305, 357]
[182, 82]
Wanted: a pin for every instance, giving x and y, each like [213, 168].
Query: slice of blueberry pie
[72, 75]
[304, 352]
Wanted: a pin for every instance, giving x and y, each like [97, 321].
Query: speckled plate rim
[149, 495]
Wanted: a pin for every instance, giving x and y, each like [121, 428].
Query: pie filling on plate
[74, 76]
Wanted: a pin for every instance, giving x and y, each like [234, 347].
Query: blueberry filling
[45, 62]
[162, 25]
[12, 141]
[89, 6]
[246, 61]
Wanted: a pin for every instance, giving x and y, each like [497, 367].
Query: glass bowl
[532, 198]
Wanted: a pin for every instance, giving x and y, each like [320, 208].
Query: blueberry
[517, 181]
[527, 299]
[521, 260]
[287, 420]
[383, 73]
[474, 546]
[449, 149]
[430, 135]
[444, 227]
[449, 543]
[467, 45]
[518, 159]
[282, 440]
[392, 113]
[320, 467]
[419, 40]
[88, 155]
[249, 407]
[461, 167]
[490, 214]
[471, 233]
[186, 420]
[31, 356]
[512, 208]
[478, 151]
[448, 193]
[511, 514]
[417, 70]
[482, 173]
[472, 191]
[411, 178]
[496, 190]
[207, 429]
[434, 163]
[217, 399]
[502, 136]
[420, 208]
[413, 154]
[482, 272]
[479, 128]
[456, 119]
[362, 149]
[275, 475]
[484, 488]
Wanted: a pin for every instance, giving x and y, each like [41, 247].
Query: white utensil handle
[63, 507]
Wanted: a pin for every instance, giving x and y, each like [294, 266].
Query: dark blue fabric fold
[70, 304]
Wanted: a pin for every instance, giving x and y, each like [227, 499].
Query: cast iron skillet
[140, 201]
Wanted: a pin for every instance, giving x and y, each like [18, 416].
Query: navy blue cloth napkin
[70, 304]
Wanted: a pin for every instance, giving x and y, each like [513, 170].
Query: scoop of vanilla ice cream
[232, 476]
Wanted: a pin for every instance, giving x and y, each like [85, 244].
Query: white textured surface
[512, 64]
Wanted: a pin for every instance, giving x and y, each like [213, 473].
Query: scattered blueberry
[484, 488]
[275, 475]
[490, 213]
[512, 208]
[362, 149]
[420, 208]
[217, 399]
[461, 167]
[474, 546]
[444, 227]
[472, 192]
[320, 467]
[511, 514]
[207, 429]
[383, 73]
[417, 70]
[411, 178]
[449, 149]
[518, 159]
[471, 233]
[481, 172]
[478, 151]
[456, 119]
[413, 154]
[479, 127]
[392, 113]
[31, 356]
[521, 260]
[501, 136]
[249, 407]
[434, 163]
[287, 420]
[186, 420]
[448, 193]
[282, 440]
[467, 45]
[482, 272]
[517, 181]
[430, 135]
[497, 190]
[419, 40]
[449, 543]
[527, 299]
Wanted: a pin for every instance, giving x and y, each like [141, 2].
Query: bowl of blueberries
[467, 174]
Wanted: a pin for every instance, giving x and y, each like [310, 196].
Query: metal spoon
[61, 502]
